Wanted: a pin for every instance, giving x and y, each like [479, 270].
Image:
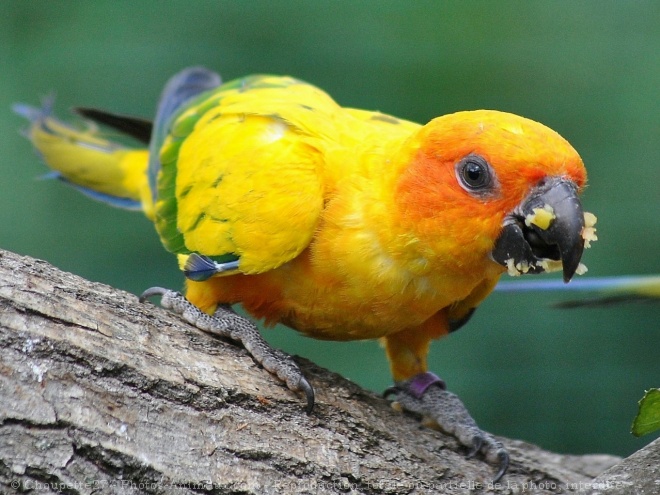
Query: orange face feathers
[520, 151]
[466, 171]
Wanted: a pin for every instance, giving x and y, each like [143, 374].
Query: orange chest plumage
[351, 283]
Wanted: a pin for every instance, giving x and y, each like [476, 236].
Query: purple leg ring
[420, 383]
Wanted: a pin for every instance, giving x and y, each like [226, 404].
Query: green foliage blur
[566, 380]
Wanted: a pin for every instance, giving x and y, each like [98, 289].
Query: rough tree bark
[102, 394]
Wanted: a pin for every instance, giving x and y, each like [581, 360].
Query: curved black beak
[547, 226]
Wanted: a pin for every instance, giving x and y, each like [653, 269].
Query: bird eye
[474, 173]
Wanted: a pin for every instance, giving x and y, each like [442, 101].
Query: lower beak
[545, 228]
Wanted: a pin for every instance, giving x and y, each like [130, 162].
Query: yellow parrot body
[344, 224]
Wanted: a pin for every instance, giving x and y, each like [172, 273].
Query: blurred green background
[566, 380]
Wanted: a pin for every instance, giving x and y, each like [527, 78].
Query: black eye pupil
[475, 175]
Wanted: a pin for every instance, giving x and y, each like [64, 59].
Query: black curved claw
[504, 465]
[152, 291]
[309, 393]
[390, 390]
[477, 443]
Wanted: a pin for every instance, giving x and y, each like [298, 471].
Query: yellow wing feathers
[256, 159]
[246, 185]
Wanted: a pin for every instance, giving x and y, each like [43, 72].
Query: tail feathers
[135, 127]
[105, 170]
[608, 290]
[116, 201]
[85, 159]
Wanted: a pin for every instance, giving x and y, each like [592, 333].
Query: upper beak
[547, 225]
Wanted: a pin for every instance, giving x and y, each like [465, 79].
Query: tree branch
[101, 394]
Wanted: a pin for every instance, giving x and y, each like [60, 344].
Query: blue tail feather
[32, 113]
[116, 201]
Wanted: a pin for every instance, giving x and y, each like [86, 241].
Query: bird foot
[226, 323]
[426, 394]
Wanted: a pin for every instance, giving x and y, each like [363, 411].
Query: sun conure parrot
[343, 224]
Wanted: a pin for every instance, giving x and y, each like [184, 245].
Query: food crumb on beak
[541, 217]
[589, 231]
[511, 268]
[581, 269]
[550, 266]
[515, 269]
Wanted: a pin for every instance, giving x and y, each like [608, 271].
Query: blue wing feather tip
[227, 267]
[200, 268]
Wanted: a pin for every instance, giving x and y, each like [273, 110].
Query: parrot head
[486, 186]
